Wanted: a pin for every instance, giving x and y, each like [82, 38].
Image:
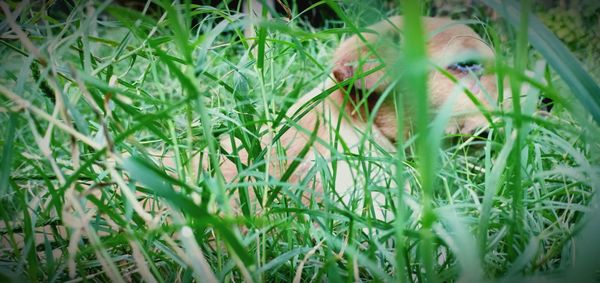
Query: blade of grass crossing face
[416, 82]
[515, 160]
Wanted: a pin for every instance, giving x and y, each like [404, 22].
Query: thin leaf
[283, 258]
[7, 154]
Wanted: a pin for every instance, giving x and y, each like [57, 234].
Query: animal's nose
[547, 104]
[483, 134]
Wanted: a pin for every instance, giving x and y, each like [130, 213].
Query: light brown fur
[448, 43]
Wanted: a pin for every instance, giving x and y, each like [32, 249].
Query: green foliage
[93, 96]
[579, 30]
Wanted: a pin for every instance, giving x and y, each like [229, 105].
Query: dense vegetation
[92, 94]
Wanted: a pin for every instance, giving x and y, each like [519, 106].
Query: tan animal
[450, 45]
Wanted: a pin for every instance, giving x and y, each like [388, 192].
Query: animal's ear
[357, 62]
[358, 57]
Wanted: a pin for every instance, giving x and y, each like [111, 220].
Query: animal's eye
[466, 67]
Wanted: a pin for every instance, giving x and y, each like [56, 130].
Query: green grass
[90, 96]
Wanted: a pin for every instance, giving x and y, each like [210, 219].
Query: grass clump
[92, 94]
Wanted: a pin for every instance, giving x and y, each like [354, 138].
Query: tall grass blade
[7, 154]
[515, 161]
[415, 59]
[493, 175]
[283, 258]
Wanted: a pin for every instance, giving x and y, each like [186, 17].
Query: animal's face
[454, 47]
